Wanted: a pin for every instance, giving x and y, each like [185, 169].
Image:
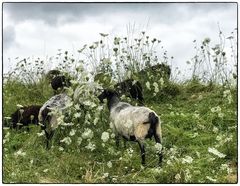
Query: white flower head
[95, 121]
[91, 146]
[215, 129]
[72, 132]
[158, 147]
[113, 135]
[60, 148]
[148, 85]
[177, 177]
[130, 151]
[161, 81]
[77, 107]
[89, 103]
[19, 106]
[169, 162]
[156, 89]
[226, 93]
[41, 133]
[216, 152]
[77, 115]
[220, 115]
[105, 136]
[109, 164]
[187, 159]
[211, 179]
[20, 153]
[196, 115]
[66, 140]
[79, 140]
[216, 109]
[105, 175]
[188, 176]
[87, 134]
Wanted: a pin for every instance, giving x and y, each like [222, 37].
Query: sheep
[59, 82]
[52, 73]
[49, 114]
[163, 69]
[25, 115]
[133, 123]
[134, 89]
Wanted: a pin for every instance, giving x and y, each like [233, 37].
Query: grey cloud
[52, 13]
[9, 36]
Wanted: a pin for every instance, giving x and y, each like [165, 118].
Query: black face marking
[121, 107]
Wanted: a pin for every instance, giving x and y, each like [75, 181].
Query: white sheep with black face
[50, 112]
[133, 123]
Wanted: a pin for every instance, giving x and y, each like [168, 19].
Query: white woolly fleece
[56, 103]
[129, 121]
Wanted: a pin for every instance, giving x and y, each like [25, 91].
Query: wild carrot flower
[67, 140]
[79, 140]
[215, 129]
[161, 81]
[105, 136]
[20, 153]
[177, 177]
[187, 159]
[211, 179]
[188, 176]
[105, 175]
[72, 132]
[216, 152]
[95, 121]
[148, 85]
[109, 164]
[87, 134]
[156, 89]
[41, 133]
[19, 106]
[158, 147]
[216, 109]
[91, 146]
[77, 115]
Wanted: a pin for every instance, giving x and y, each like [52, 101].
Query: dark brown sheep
[133, 90]
[161, 69]
[59, 82]
[26, 115]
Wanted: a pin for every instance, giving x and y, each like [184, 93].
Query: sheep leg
[28, 129]
[117, 138]
[49, 137]
[142, 148]
[140, 98]
[157, 139]
[125, 143]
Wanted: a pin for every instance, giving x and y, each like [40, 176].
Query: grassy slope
[184, 133]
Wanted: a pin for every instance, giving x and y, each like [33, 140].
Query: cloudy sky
[39, 29]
